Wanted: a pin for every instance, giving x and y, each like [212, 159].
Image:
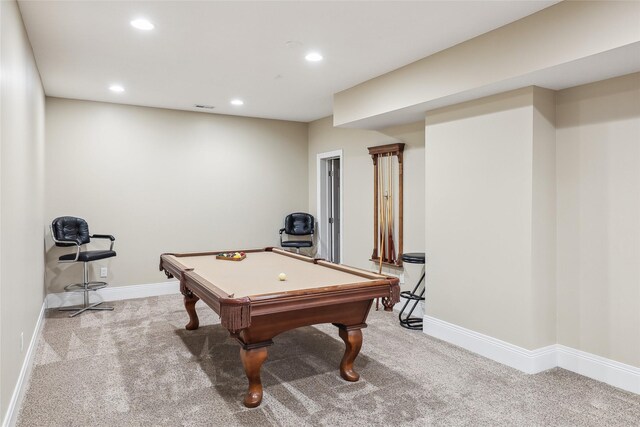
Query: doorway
[330, 205]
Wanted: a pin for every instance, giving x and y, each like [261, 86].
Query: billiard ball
[282, 276]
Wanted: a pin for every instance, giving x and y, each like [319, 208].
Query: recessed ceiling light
[237, 102]
[142, 24]
[116, 88]
[313, 57]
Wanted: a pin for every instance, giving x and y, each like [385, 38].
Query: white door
[333, 199]
[329, 206]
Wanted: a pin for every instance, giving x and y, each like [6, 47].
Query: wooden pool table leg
[353, 340]
[252, 360]
[190, 301]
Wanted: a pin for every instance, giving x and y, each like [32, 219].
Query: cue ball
[282, 276]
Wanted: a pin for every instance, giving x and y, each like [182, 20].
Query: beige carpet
[137, 366]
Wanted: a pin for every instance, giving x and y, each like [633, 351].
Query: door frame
[322, 201]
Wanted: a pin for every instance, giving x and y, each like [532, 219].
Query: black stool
[412, 322]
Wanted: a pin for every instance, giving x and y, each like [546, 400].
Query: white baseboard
[599, 368]
[614, 373]
[529, 361]
[23, 378]
[65, 299]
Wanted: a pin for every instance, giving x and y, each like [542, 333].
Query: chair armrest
[103, 236]
[281, 230]
[67, 242]
[78, 246]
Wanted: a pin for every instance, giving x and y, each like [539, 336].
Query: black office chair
[298, 224]
[68, 231]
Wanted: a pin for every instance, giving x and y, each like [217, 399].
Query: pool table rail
[236, 313]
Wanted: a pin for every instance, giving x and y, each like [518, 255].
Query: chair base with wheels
[71, 231]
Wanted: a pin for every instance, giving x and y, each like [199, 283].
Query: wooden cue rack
[378, 154]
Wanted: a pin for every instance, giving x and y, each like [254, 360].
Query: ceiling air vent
[204, 106]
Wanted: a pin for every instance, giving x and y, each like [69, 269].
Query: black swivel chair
[298, 224]
[68, 231]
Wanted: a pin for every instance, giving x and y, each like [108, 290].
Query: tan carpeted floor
[137, 366]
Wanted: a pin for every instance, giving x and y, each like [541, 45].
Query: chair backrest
[71, 229]
[299, 224]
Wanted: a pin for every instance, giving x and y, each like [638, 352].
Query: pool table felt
[257, 274]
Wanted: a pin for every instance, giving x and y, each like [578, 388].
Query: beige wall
[478, 212]
[598, 159]
[537, 198]
[164, 180]
[21, 197]
[561, 34]
[483, 170]
[357, 186]
[543, 218]
[537, 195]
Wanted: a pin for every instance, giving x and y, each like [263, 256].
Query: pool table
[255, 306]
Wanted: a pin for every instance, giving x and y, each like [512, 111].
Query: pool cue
[390, 245]
[380, 223]
[386, 214]
[393, 244]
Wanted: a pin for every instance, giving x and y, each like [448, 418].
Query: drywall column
[543, 219]
[598, 157]
[487, 194]
[21, 197]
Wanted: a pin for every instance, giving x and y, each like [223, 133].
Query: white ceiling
[208, 52]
